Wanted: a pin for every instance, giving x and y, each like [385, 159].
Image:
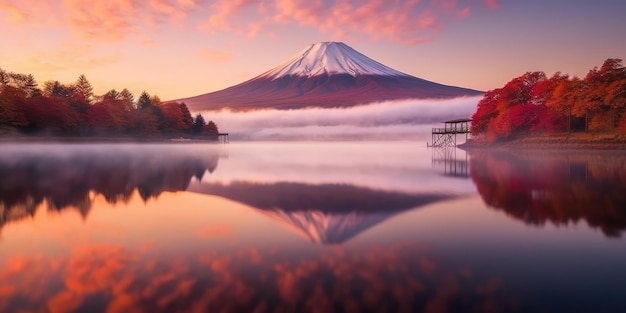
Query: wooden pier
[446, 136]
[223, 137]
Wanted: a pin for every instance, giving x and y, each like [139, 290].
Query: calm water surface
[309, 227]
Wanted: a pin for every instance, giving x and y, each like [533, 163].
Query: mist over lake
[403, 119]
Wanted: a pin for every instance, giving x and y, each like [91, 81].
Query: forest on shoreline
[534, 104]
[73, 110]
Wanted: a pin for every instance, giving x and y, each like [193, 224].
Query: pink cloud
[464, 13]
[493, 4]
[405, 21]
[215, 56]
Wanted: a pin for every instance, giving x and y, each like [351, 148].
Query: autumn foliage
[534, 103]
[73, 110]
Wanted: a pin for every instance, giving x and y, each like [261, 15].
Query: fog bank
[385, 120]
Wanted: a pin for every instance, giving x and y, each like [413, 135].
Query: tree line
[73, 109]
[534, 103]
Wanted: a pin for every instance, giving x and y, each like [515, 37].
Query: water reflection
[323, 213]
[405, 277]
[560, 189]
[163, 229]
[451, 161]
[69, 177]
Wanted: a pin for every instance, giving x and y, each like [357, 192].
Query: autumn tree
[12, 103]
[74, 109]
[176, 118]
[187, 118]
[150, 118]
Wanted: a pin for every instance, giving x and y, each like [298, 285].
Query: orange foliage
[533, 103]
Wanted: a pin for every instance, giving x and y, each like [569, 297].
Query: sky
[182, 48]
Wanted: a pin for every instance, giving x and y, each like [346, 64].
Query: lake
[310, 227]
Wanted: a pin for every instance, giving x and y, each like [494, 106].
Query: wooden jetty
[446, 136]
[223, 137]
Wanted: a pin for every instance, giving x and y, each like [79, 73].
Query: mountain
[327, 74]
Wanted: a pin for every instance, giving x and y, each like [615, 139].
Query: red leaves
[533, 103]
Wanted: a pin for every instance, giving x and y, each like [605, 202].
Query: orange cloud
[14, 13]
[71, 56]
[102, 20]
[215, 56]
[27, 12]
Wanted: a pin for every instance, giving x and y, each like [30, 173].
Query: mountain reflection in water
[323, 213]
[559, 189]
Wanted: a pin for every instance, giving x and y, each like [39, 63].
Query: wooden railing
[452, 130]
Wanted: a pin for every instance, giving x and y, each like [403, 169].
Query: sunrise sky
[181, 48]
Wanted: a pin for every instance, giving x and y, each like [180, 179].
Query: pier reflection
[451, 161]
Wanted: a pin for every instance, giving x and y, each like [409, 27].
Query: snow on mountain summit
[326, 75]
[330, 58]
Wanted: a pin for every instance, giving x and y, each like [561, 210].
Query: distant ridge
[327, 74]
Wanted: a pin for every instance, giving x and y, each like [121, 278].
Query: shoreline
[560, 141]
[100, 139]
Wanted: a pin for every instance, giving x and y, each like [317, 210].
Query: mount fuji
[326, 75]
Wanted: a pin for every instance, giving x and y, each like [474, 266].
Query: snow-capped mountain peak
[330, 58]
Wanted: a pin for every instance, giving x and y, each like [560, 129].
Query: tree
[111, 95]
[83, 91]
[4, 78]
[187, 119]
[51, 114]
[198, 125]
[144, 101]
[564, 97]
[211, 129]
[486, 111]
[174, 118]
[54, 88]
[11, 108]
[127, 97]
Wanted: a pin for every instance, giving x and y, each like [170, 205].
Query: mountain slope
[328, 74]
